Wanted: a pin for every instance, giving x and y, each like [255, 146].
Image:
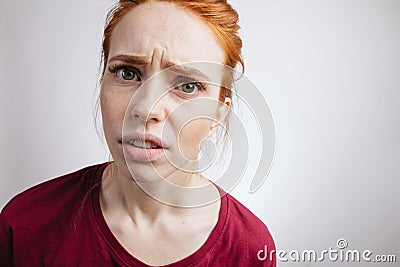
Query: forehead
[152, 26]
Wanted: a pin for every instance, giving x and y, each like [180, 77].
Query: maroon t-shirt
[60, 223]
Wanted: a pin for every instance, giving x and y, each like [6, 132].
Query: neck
[150, 201]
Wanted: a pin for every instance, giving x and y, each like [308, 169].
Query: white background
[330, 70]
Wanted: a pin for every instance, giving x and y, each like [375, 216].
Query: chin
[146, 172]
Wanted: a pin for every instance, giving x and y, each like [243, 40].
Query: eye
[125, 73]
[128, 74]
[189, 88]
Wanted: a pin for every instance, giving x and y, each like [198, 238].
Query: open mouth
[144, 141]
[143, 147]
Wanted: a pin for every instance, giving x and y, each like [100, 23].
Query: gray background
[329, 70]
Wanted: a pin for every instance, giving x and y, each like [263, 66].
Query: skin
[144, 226]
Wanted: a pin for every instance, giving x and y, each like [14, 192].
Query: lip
[142, 154]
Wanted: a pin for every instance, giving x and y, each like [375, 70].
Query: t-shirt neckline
[130, 260]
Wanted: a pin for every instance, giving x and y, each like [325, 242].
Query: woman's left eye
[189, 88]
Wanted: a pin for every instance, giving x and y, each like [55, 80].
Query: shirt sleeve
[5, 242]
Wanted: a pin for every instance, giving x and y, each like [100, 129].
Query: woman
[142, 208]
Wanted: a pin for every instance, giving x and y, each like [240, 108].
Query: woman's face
[150, 38]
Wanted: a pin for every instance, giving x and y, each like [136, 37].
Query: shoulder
[246, 230]
[244, 220]
[44, 198]
[31, 222]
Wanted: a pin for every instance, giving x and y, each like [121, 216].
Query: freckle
[183, 222]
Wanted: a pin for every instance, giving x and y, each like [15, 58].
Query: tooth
[141, 144]
[137, 143]
[148, 144]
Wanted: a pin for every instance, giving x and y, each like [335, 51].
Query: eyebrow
[178, 68]
[131, 59]
[190, 72]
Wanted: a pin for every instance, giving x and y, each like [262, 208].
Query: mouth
[144, 141]
[142, 147]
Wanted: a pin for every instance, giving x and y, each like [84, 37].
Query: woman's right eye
[128, 74]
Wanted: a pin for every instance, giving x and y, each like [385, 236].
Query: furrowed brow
[181, 69]
[189, 72]
[130, 59]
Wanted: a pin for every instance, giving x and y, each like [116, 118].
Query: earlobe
[228, 101]
[214, 126]
[221, 113]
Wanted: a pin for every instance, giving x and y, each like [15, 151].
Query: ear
[222, 111]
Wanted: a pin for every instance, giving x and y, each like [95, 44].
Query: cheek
[113, 106]
[191, 135]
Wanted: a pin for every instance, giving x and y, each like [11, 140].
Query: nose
[148, 103]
